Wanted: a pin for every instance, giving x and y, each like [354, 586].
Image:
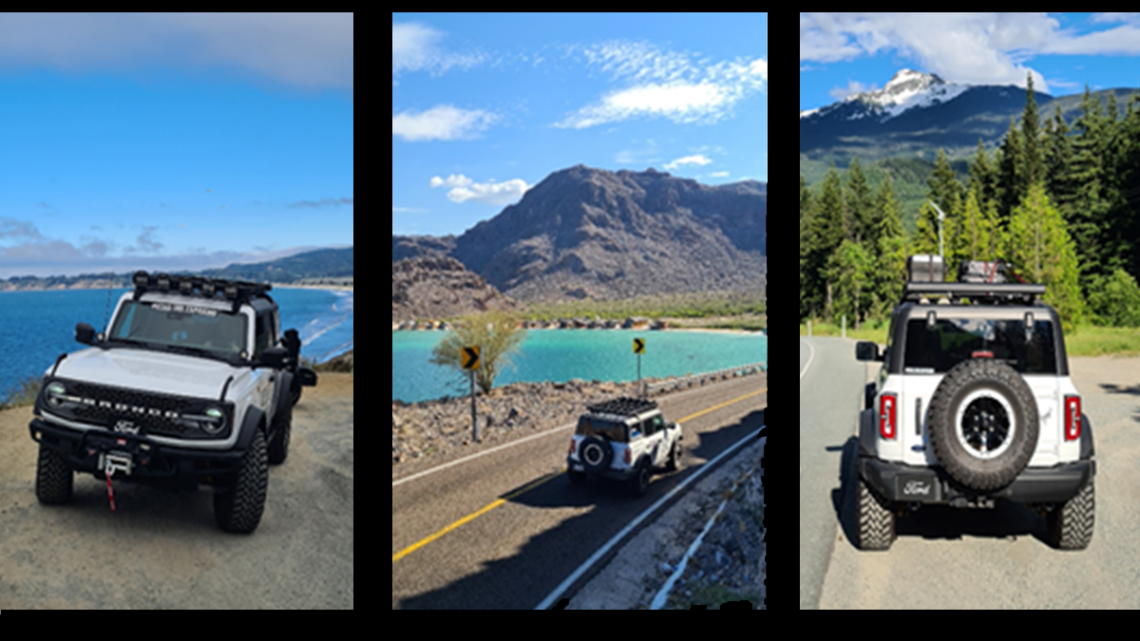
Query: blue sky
[172, 141]
[484, 106]
[845, 53]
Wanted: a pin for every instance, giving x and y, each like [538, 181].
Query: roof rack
[990, 293]
[624, 406]
[238, 291]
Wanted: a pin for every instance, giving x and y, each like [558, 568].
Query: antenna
[107, 311]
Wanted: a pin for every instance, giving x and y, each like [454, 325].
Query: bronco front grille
[104, 405]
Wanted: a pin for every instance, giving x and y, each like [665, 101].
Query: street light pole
[941, 216]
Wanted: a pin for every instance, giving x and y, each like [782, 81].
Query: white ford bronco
[624, 439]
[191, 384]
[973, 403]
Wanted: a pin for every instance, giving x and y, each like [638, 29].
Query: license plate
[578, 468]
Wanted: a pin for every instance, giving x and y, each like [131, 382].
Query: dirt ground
[163, 550]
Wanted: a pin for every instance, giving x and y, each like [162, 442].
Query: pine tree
[1042, 252]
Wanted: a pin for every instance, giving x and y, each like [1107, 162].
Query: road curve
[503, 530]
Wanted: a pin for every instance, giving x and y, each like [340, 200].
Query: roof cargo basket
[624, 406]
[926, 269]
[989, 293]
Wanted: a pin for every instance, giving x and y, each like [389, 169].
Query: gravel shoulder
[163, 550]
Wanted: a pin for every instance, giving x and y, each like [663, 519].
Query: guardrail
[703, 377]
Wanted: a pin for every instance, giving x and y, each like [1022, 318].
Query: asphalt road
[945, 557]
[503, 530]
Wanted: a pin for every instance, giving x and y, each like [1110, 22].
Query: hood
[161, 372]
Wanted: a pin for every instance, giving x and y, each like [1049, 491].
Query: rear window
[593, 426]
[954, 340]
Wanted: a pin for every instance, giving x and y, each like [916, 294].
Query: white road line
[810, 357]
[602, 551]
[523, 440]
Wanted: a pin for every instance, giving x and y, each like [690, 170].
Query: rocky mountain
[440, 287]
[590, 233]
[913, 112]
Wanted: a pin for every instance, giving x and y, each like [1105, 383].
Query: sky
[484, 106]
[846, 53]
[172, 141]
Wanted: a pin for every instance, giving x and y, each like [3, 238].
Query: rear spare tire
[983, 424]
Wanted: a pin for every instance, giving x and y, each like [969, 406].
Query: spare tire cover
[983, 424]
[595, 453]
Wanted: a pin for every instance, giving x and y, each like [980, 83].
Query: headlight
[55, 387]
[216, 422]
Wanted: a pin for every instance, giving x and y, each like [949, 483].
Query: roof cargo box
[926, 269]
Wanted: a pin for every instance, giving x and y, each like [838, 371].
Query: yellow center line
[497, 502]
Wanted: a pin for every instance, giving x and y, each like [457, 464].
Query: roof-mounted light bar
[237, 291]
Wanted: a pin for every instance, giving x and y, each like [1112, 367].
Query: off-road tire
[53, 477]
[997, 379]
[279, 450]
[674, 462]
[239, 507]
[595, 453]
[1070, 524]
[639, 482]
[876, 522]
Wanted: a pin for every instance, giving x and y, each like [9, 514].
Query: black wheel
[596, 454]
[639, 482]
[280, 447]
[674, 462]
[876, 526]
[1070, 525]
[983, 424]
[53, 477]
[238, 508]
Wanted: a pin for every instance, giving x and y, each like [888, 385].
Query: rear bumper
[907, 483]
[154, 464]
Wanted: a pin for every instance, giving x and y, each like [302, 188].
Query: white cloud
[304, 50]
[666, 84]
[415, 48]
[968, 48]
[687, 160]
[488, 193]
[440, 123]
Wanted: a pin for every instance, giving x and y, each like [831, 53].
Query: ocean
[38, 326]
[562, 354]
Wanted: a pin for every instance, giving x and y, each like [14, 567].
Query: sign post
[470, 358]
[639, 349]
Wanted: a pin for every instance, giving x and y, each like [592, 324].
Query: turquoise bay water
[560, 355]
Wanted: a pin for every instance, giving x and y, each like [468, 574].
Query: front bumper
[153, 463]
[906, 483]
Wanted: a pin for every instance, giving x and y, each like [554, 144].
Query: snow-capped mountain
[909, 89]
[914, 112]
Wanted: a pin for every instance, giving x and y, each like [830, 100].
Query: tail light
[1072, 418]
[571, 446]
[887, 415]
[627, 456]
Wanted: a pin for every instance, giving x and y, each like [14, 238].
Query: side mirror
[84, 333]
[867, 351]
[274, 357]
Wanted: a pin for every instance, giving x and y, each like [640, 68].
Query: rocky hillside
[439, 287]
[591, 233]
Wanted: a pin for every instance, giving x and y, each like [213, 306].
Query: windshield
[181, 326]
[952, 341]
